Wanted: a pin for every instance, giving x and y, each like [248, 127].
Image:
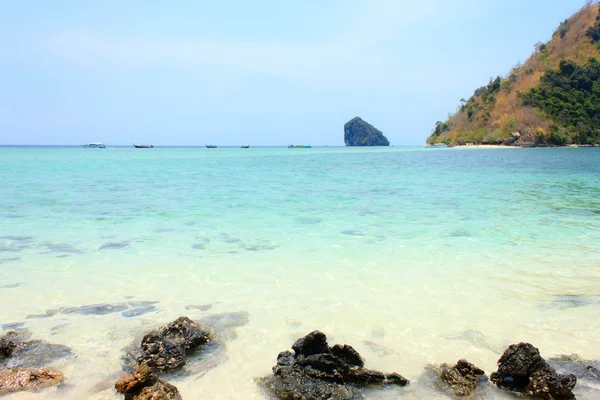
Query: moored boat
[246, 146]
[94, 145]
[211, 146]
[299, 146]
[143, 146]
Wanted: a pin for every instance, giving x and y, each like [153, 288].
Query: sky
[262, 72]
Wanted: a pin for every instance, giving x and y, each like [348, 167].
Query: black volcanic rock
[317, 371]
[360, 133]
[522, 371]
[167, 348]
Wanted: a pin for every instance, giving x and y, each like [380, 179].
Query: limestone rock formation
[360, 133]
[522, 371]
[317, 371]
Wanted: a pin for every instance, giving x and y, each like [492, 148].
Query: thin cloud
[357, 56]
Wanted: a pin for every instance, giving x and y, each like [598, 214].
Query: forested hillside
[553, 98]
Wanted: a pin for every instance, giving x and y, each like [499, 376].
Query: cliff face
[552, 98]
[360, 133]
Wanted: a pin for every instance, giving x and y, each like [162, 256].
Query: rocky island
[360, 133]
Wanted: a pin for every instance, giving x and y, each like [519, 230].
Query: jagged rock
[459, 380]
[360, 133]
[317, 371]
[166, 349]
[216, 329]
[145, 385]
[522, 371]
[21, 379]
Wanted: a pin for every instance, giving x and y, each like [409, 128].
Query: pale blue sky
[262, 72]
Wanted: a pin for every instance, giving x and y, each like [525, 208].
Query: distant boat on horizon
[211, 146]
[143, 146]
[246, 146]
[299, 146]
[94, 145]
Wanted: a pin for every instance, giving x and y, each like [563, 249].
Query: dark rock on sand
[96, 309]
[522, 371]
[459, 380]
[166, 349]
[360, 133]
[145, 385]
[317, 371]
[20, 379]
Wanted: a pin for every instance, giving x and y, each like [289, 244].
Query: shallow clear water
[411, 255]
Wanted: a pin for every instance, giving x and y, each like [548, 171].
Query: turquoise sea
[411, 255]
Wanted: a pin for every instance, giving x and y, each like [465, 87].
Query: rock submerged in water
[166, 349]
[143, 384]
[21, 379]
[16, 350]
[317, 371]
[460, 380]
[360, 133]
[523, 371]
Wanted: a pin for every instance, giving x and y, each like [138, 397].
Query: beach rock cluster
[23, 363]
[144, 384]
[167, 348]
[163, 350]
[523, 372]
[460, 380]
[360, 133]
[317, 371]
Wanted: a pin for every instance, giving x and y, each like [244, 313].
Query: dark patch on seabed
[572, 301]
[352, 232]
[96, 309]
[129, 309]
[477, 339]
[260, 245]
[460, 233]
[204, 307]
[17, 238]
[134, 312]
[113, 245]
[14, 244]
[63, 248]
[13, 325]
[10, 285]
[308, 220]
[34, 353]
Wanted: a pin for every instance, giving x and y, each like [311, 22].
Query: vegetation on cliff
[553, 98]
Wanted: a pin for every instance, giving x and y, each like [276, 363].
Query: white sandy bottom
[400, 316]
